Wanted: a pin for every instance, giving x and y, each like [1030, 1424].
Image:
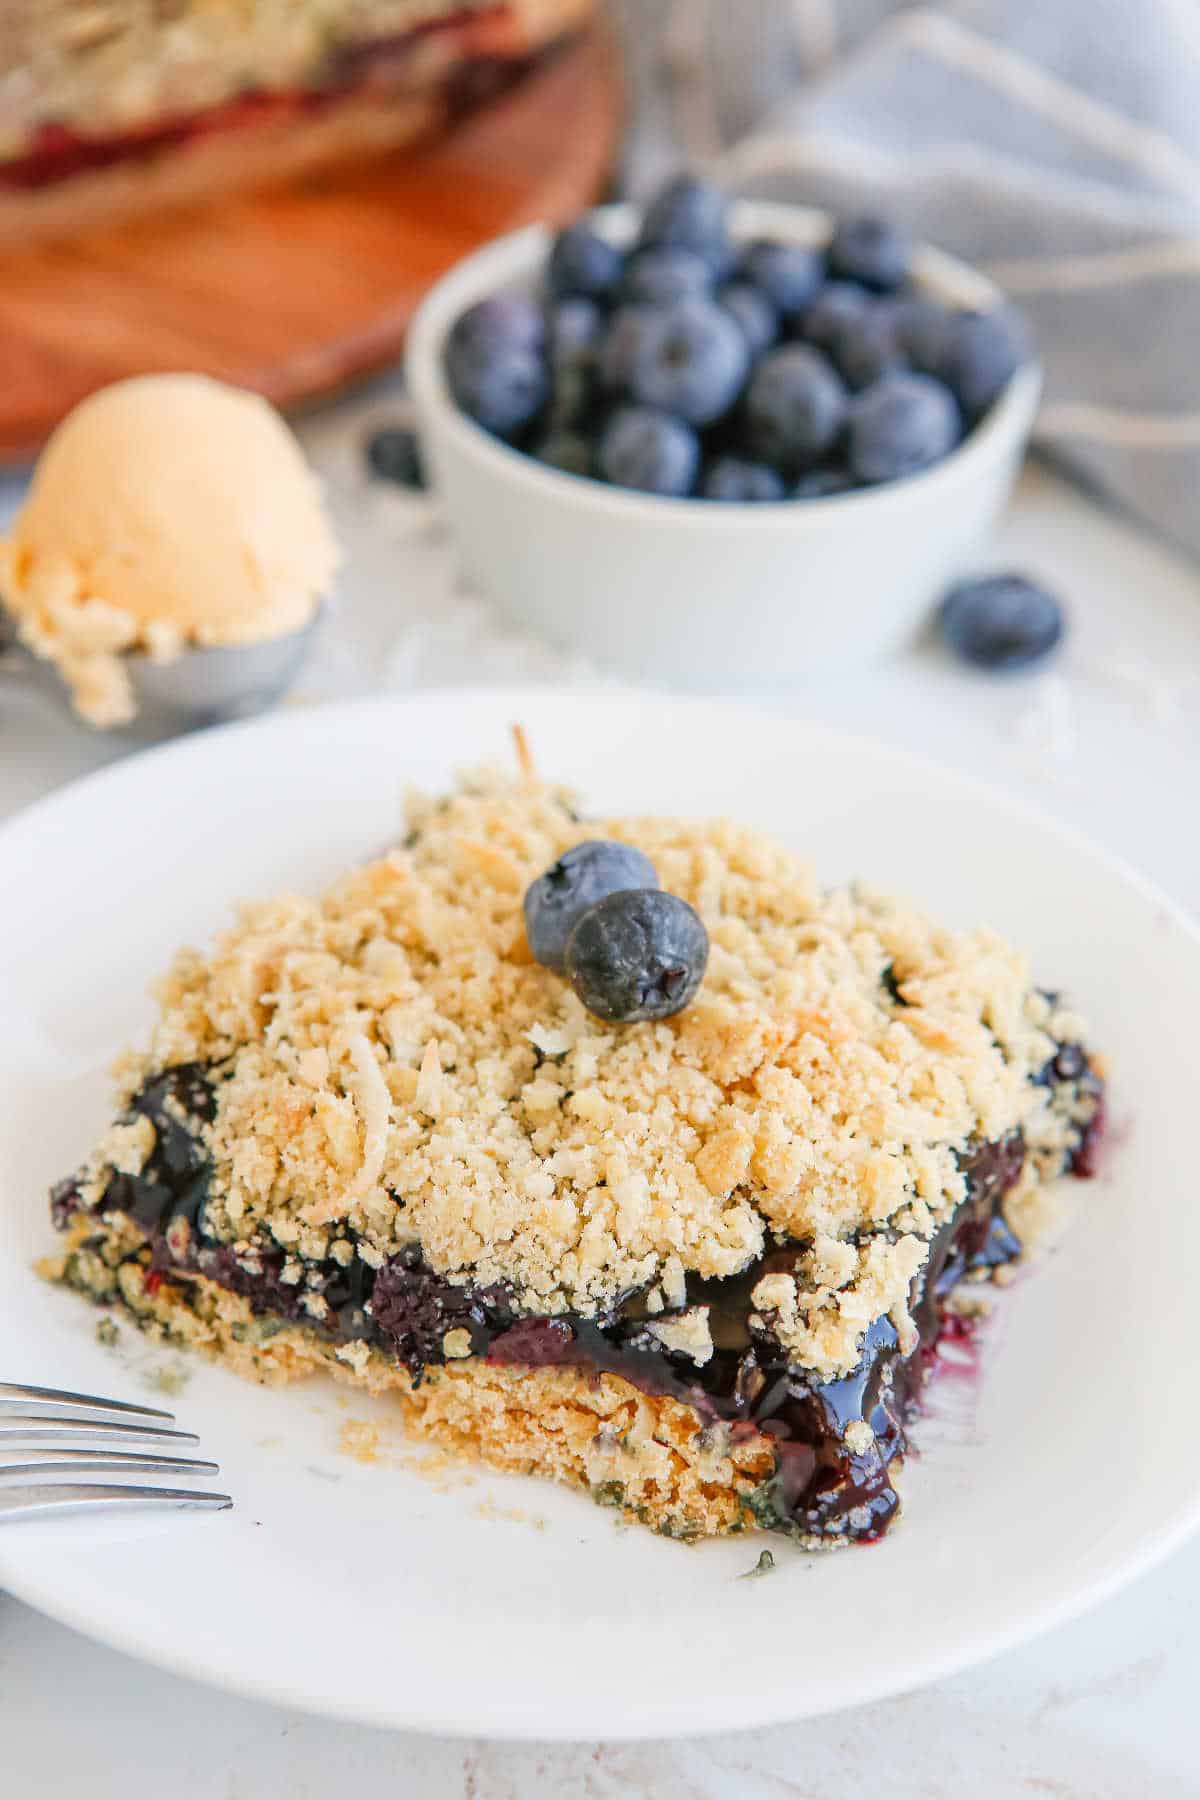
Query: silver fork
[79, 1430]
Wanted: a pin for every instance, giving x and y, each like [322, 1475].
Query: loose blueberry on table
[1001, 622]
[755, 372]
[394, 454]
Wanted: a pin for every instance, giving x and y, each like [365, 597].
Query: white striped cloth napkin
[1056, 143]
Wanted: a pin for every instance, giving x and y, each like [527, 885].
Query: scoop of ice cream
[166, 511]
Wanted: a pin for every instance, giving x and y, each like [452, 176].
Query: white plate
[370, 1593]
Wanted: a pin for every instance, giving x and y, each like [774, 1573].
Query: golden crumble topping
[397, 1069]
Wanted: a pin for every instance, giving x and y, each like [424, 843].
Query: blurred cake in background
[112, 108]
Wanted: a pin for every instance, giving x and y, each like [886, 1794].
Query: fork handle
[47, 1499]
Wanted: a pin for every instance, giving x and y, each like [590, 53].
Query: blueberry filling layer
[821, 1486]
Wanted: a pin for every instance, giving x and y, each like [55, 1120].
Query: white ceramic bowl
[700, 593]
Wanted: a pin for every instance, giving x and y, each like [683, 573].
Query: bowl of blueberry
[720, 443]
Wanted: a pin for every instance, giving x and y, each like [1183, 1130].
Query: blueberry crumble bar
[621, 1153]
[111, 109]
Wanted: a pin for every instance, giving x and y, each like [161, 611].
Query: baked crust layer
[646, 1455]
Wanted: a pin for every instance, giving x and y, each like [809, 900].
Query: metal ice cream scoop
[198, 687]
[212, 686]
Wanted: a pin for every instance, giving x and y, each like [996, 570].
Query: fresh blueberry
[687, 211]
[733, 478]
[501, 322]
[1070, 1062]
[722, 260]
[580, 877]
[872, 251]
[572, 401]
[1001, 621]
[823, 484]
[692, 362]
[394, 454]
[922, 327]
[621, 345]
[982, 354]
[665, 273]
[567, 451]
[901, 425]
[795, 407]
[574, 327]
[866, 348]
[501, 388]
[837, 304]
[495, 362]
[649, 450]
[585, 264]
[754, 313]
[788, 274]
[638, 954]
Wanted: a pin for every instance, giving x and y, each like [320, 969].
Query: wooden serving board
[297, 291]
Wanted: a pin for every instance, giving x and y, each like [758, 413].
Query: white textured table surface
[1102, 1710]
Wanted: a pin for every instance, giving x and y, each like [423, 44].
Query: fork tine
[101, 1462]
[15, 1394]
[53, 1428]
[43, 1501]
